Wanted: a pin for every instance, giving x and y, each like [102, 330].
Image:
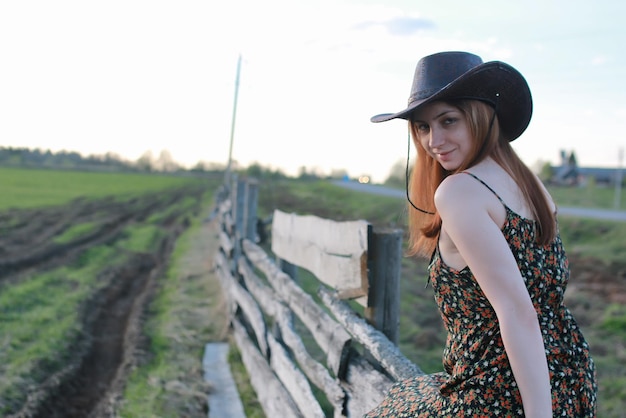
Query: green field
[31, 188]
[107, 228]
[589, 196]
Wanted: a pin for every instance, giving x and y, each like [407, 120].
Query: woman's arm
[464, 208]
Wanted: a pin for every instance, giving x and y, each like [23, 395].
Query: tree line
[71, 160]
[164, 163]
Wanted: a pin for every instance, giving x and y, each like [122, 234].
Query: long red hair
[427, 175]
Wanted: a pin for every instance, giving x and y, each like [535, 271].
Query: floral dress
[478, 380]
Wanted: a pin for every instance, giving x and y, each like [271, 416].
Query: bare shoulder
[459, 192]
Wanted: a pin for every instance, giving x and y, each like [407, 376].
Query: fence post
[238, 208]
[252, 197]
[385, 262]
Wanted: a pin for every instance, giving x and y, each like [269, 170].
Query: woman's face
[444, 133]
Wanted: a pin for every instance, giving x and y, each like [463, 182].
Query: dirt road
[602, 214]
[88, 383]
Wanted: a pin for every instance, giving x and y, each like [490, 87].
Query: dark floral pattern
[477, 380]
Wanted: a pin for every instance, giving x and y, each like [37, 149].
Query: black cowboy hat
[461, 75]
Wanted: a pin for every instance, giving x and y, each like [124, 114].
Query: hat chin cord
[406, 182]
[406, 188]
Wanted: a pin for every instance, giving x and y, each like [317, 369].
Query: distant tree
[200, 167]
[212, 166]
[255, 170]
[546, 172]
[302, 173]
[166, 162]
[258, 171]
[572, 161]
[112, 157]
[277, 174]
[146, 162]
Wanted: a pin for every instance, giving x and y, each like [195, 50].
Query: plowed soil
[111, 336]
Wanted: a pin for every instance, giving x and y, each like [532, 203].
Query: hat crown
[457, 75]
[434, 72]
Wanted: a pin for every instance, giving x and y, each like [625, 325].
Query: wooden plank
[273, 396]
[253, 314]
[335, 252]
[316, 372]
[329, 335]
[264, 295]
[226, 243]
[224, 206]
[225, 277]
[294, 380]
[366, 386]
[229, 223]
[225, 215]
[223, 397]
[383, 350]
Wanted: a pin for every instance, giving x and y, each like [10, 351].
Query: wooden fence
[307, 353]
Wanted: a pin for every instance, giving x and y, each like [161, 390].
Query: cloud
[401, 25]
[599, 60]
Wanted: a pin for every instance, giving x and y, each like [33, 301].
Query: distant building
[568, 173]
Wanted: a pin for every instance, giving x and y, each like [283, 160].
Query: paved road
[603, 214]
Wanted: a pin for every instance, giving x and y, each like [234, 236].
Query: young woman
[498, 268]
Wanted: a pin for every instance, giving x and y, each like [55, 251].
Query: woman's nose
[436, 138]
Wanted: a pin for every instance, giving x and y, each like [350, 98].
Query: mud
[604, 281]
[89, 384]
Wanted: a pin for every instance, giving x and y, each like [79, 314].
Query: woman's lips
[444, 156]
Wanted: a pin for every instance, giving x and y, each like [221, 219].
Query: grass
[588, 196]
[75, 231]
[40, 315]
[40, 318]
[331, 202]
[30, 188]
[187, 312]
[146, 393]
[252, 407]
[141, 238]
[602, 240]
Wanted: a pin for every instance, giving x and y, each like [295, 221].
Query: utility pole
[227, 175]
[618, 179]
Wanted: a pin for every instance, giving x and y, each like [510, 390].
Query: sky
[134, 76]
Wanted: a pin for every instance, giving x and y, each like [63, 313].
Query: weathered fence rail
[291, 341]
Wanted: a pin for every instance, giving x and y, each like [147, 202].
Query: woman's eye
[422, 127]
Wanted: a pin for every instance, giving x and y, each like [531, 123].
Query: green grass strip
[159, 387]
[75, 231]
[28, 188]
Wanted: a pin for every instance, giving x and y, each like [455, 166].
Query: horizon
[222, 166]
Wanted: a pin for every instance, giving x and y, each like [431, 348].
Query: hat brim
[492, 81]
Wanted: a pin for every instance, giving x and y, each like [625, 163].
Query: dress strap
[487, 186]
